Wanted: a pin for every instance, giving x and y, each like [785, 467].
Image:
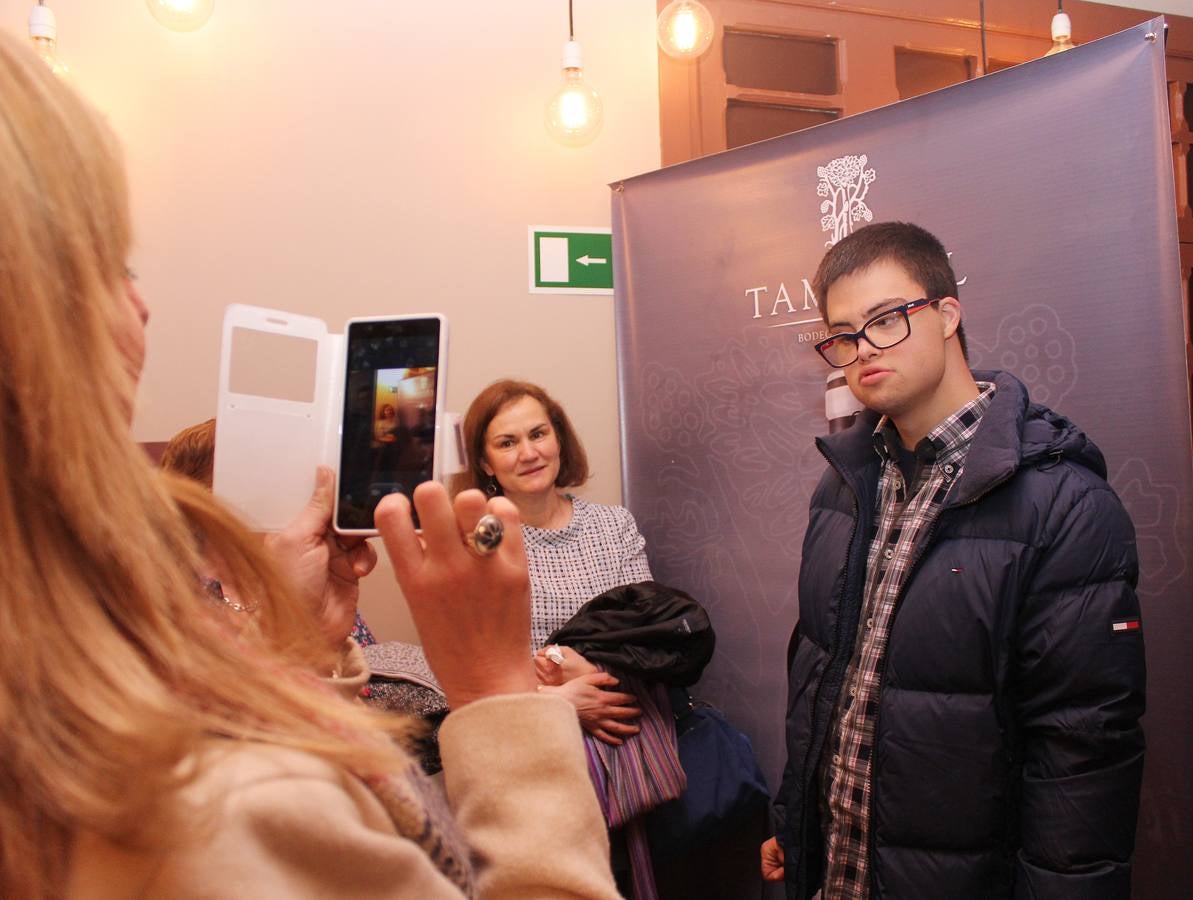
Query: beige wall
[387, 160]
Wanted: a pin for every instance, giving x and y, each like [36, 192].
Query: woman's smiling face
[522, 449]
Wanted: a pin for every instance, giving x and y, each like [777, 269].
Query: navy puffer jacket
[1008, 752]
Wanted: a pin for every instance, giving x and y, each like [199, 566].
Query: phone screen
[387, 438]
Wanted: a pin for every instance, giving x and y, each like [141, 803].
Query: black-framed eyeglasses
[884, 330]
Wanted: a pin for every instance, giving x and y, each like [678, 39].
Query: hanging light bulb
[1062, 31]
[685, 29]
[43, 32]
[181, 15]
[574, 112]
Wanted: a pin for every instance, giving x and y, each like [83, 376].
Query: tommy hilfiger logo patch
[1125, 625]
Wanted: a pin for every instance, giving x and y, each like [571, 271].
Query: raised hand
[472, 612]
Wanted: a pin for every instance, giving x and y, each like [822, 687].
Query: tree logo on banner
[844, 183]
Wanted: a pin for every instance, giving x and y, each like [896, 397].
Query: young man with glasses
[967, 674]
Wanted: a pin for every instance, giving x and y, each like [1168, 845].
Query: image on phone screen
[387, 441]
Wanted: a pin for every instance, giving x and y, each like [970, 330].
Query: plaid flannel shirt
[904, 517]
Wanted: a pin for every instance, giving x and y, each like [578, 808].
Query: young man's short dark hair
[919, 253]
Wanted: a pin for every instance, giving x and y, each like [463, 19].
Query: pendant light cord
[571, 27]
[982, 24]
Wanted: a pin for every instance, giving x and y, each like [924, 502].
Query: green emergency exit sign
[568, 260]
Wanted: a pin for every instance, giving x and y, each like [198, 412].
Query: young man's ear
[950, 314]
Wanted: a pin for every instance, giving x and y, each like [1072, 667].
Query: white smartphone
[394, 382]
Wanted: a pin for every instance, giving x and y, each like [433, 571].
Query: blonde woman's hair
[114, 664]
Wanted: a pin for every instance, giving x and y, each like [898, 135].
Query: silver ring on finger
[486, 537]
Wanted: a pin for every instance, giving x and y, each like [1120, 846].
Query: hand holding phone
[323, 569]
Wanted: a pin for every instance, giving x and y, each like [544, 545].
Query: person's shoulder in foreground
[275, 822]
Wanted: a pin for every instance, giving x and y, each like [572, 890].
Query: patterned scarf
[420, 813]
[416, 806]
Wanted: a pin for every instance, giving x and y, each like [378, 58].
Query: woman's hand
[472, 612]
[573, 666]
[603, 713]
[323, 568]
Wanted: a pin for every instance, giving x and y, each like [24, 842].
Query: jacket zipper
[810, 779]
[925, 544]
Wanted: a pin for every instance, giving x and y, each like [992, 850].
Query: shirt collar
[949, 439]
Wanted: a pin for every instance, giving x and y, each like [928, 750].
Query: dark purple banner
[1051, 185]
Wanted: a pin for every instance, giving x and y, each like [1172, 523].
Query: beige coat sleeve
[283, 824]
[518, 782]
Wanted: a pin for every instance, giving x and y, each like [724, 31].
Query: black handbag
[725, 784]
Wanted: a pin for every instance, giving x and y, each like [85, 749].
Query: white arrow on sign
[587, 260]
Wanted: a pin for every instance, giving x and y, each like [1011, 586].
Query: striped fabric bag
[641, 774]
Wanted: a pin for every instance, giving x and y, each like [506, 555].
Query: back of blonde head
[112, 668]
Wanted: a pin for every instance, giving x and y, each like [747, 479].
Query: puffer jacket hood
[1042, 432]
[1046, 433]
[1014, 432]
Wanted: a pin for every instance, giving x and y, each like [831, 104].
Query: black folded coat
[647, 629]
